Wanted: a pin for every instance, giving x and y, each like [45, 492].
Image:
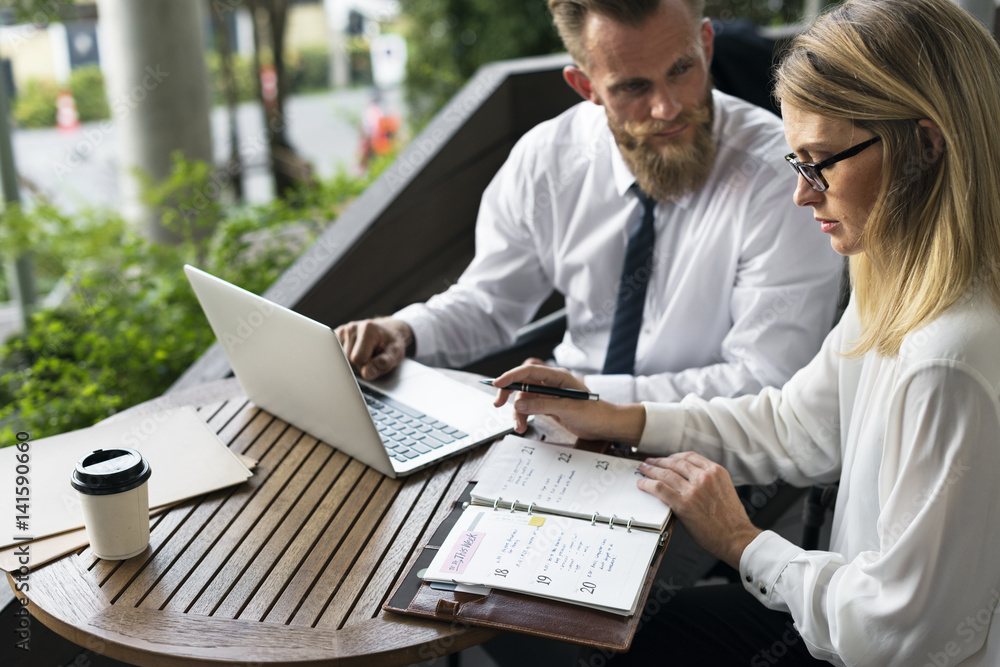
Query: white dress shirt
[743, 287]
[913, 573]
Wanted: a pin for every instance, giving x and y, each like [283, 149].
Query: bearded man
[661, 209]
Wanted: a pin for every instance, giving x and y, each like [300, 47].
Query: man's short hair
[570, 16]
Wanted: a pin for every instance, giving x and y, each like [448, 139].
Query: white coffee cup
[114, 493]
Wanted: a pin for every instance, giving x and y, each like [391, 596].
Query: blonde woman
[892, 109]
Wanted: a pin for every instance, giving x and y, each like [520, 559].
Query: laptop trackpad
[463, 406]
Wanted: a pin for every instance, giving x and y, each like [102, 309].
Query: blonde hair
[570, 17]
[934, 230]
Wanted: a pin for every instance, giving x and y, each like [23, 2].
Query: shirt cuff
[762, 563]
[664, 428]
[415, 315]
[613, 388]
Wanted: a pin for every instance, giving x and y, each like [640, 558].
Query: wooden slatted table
[290, 568]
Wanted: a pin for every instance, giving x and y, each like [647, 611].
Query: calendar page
[596, 565]
[561, 480]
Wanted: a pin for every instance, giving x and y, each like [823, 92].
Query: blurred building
[47, 50]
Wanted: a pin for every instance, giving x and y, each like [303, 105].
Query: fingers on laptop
[372, 346]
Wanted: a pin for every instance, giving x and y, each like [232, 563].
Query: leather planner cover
[516, 612]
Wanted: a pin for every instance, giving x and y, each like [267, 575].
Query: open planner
[544, 526]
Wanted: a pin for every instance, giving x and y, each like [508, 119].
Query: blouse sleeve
[790, 433]
[930, 585]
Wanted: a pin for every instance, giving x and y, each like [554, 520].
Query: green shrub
[35, 105]
[243, 74]
[87, 85]
[309, 69]
[132, 325]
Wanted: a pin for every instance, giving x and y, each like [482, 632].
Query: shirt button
[763, 590]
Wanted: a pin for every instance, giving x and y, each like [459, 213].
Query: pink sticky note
[462, 550]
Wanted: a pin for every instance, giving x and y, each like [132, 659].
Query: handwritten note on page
[555, 557]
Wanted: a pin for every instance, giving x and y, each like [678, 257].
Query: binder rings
[519, 612]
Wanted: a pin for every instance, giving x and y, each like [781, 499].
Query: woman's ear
[933, 138]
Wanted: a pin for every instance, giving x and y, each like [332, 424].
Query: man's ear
[933, 137]
[707, 40]
[580, 82]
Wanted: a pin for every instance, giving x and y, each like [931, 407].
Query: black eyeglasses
[811, 170]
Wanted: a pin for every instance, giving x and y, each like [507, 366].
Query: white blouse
[913, 572]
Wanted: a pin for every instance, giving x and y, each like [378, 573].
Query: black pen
[548, 391]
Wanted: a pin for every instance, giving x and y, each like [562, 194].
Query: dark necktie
[636, 270]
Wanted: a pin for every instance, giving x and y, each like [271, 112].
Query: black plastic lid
[106, 471]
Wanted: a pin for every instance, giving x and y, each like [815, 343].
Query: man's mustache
[641, 131]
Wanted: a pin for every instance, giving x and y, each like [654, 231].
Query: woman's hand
[591, 420]
[702, 495]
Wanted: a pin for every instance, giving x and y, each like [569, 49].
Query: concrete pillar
[336, 23]
[984, 10]
[157, 85]
[20, 280]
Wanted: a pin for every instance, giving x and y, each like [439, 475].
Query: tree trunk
[289, 169]
[235, 165]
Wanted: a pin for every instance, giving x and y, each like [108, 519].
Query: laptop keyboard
[407, 433]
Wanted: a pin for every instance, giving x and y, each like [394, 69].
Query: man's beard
[679, 167]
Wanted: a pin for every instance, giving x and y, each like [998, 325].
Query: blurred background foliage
[448, 40]
[126, 324]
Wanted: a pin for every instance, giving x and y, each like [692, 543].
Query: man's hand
[702, 495]
[375, 347]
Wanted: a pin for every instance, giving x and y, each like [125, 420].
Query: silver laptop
[295, 368]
